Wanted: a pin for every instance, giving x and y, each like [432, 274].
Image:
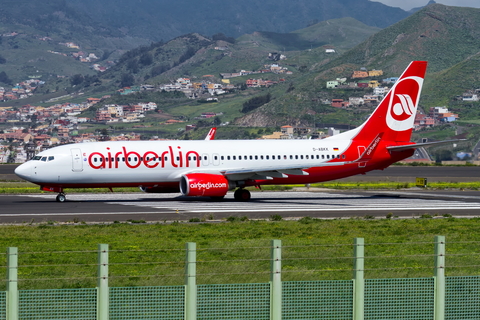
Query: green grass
[64, 256]
[27, 187]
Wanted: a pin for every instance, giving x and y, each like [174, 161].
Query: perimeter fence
[196, 291]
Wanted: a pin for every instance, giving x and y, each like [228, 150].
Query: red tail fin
[211, 134]
[395, 115]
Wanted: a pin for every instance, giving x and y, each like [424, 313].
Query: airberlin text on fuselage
[150, 159]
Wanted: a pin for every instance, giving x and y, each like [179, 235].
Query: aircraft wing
[419, 145]
[266, 172]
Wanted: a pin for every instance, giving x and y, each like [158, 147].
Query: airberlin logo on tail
[403, 103]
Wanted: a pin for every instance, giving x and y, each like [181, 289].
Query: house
[423, 121]
[370, 98]
[375, 73]
[339, 103]
[363, 83]
[380, 91]
[390, 80]
[332, 84]
[470, 97]
[356, 101]
[359, 74]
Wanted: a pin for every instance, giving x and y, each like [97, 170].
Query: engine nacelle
[204, 184]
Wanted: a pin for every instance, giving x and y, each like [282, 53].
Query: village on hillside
[32, 129]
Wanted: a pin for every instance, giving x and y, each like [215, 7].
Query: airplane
[211, 168]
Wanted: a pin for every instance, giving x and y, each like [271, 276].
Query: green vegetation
[27, 187]
[64, 256]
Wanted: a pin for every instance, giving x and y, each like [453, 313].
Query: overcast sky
[409, 4]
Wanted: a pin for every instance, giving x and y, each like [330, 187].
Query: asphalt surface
[110, 207]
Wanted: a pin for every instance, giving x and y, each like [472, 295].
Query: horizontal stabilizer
[420, 145]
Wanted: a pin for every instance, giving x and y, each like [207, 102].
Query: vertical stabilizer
[395, 115]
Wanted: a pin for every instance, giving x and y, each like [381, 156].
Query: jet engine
[205, 184]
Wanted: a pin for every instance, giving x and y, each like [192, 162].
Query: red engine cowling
[204, 184]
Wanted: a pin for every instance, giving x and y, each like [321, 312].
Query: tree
[76, 79]
[4, 78]
[146, 59]
[255, 103]
[127, 80]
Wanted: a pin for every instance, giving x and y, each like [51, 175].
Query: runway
[136, 207]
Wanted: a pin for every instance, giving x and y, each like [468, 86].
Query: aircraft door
[216, 159]
[361, 150]
[205, 160]
[77, 164]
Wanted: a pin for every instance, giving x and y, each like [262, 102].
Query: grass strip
[27, 187]
[55, 255]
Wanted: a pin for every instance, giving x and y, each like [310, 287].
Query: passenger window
[215, 158]
[234, 157]
[228, 157]
[328, 156]
[301, 156]
[221, 157]
[251, 158]
[261, 157]
[296, 157]
[256, 157]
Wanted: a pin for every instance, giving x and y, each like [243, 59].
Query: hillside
[445, 36]
[164, 20]
[195, 55]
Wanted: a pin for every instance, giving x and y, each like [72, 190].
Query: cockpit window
[36, 158]
[44, 158]
[51, 158]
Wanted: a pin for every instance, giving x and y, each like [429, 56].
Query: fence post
[276, 281]
[439, 276]
[358, 279]
[102, 283]
[191, 282]
[12, 283]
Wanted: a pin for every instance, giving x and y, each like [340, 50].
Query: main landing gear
[242, 194]
[61, 197]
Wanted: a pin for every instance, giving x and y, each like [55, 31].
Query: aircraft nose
[24, 171]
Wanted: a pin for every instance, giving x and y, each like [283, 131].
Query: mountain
[194, 55]
[445, 36]
[165, 19]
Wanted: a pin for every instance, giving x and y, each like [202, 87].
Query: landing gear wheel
[242, 195]
[61, 197]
